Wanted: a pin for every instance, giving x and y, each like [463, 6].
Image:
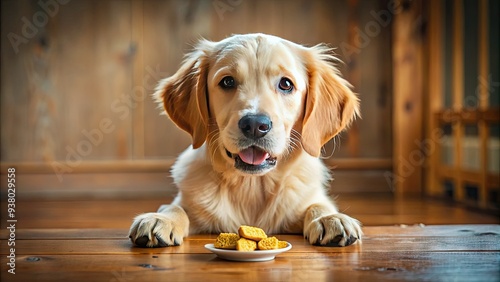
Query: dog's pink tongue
[253, 156]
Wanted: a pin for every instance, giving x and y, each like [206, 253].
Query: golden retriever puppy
[259, 109]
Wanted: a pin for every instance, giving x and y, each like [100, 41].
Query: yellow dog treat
[249, 239]
[252, 233]
[282, 244]
[246, 245]
[269, 243]
[226, 241]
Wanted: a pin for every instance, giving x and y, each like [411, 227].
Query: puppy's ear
[330, 104]
[184, 94]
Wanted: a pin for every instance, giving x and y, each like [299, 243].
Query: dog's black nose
[255, 126]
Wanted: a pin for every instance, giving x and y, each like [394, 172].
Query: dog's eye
[285, 85]
[227, 82]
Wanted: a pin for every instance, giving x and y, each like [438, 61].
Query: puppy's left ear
[330, 104]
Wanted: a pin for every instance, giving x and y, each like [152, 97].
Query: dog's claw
[161, 242]
[142, 241]
[335, 242]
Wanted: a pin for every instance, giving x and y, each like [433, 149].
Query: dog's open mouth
[252, 160]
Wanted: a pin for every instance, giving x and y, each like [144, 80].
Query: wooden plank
[458, 95]
[359, 163]
[82, 214]
[369, 181]
[458, 134]
[373, 82]
[92, 79]
[112, 166]
[417, 230]
[407, 112]
[484, 136]
[434, 98]
[383, 266]
[83, 186]
[11, 76]
[484, 55]
[138, 78]
[483, 96]
[469, 116]
[458, 55]
[383, 209]
[471, 176]
[120, 179]
[488, 241]
[385, 84]
[77, 258]
[132, 184]
[164, 165]
[354, 73]
[67, 234]
[180, 24]
[129, 44]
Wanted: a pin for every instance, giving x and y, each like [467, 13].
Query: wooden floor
[405, 240]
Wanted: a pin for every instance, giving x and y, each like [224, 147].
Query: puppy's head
[256, 99]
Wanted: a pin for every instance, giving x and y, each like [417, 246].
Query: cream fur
[290, 197]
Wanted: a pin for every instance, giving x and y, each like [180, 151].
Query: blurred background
[77, 119]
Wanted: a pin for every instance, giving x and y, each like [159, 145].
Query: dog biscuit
[252, 233]
[269, 243]
[246, 245]
[226, 241]
[282, 244]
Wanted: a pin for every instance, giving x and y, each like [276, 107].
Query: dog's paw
[333, 230]
[156, 230]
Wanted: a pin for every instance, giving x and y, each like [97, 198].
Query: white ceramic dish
[247, 256]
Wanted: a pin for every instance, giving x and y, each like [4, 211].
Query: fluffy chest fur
[222, 201]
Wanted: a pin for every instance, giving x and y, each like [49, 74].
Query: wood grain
[435, 86]
[82, 240]
[98, 60]
[458, 130]
[457, 252]
[371, 209]
[407, 86]
[315, 267]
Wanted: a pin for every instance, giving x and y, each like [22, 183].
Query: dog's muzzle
[254, 159]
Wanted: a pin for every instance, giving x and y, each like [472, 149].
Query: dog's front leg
[167, 227]
[324, 227]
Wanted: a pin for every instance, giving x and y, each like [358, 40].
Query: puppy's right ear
[184, 94]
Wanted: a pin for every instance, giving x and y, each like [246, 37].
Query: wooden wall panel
[92, 66]
[68, 75]
[408, 158]
[98, 61]
[375, 83]
[170, 29]
[15, 144]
